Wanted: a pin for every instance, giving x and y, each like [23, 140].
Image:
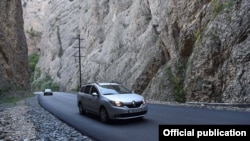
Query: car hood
[124, 97]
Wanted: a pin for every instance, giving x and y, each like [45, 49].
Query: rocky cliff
[190, 50]
[14, 69]
[33, 14]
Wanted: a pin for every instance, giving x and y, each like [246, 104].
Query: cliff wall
[190, 50]
[14, 69]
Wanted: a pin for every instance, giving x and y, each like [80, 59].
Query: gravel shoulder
[216, 106]
[28, 121]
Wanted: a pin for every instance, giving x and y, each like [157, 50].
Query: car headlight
[117, 103]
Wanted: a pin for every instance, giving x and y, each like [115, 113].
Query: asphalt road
[64, 106]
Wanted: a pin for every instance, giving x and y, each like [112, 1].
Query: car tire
[81, 109]
[104, 115]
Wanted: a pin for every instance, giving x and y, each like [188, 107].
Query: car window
[87, 89]
[94, 90]
[48, 90]
[114, 89]
[82, 89]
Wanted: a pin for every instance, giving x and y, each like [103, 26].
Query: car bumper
[48, 93]
[127, 113]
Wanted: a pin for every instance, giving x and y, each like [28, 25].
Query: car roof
[102, 83]
[106, 83]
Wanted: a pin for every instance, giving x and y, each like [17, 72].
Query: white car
[111, 101]
[47, 92]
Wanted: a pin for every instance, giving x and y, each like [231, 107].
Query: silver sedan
[111, 101]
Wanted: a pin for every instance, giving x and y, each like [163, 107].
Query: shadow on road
[118, 122]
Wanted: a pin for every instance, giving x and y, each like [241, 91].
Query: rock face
[14, 69]
[168, 50]
[33, 14]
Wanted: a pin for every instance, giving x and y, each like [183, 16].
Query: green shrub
[228, 4]
[178, 85]
[41, 84]
[33, 60]
[13, 99]
[50, 84]
[218, 6]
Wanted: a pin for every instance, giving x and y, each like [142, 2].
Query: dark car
[111, 101]
[47, 92]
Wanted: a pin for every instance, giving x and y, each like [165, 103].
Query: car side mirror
[94, 94]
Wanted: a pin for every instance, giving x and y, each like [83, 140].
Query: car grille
[134, 104]
[131, 114]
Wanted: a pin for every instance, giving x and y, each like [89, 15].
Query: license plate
[135, 110]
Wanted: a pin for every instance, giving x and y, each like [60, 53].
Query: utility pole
[79, 55]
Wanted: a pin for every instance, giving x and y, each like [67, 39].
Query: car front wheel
[104, 115]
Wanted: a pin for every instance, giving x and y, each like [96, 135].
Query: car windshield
[47, 90]
[113, 89]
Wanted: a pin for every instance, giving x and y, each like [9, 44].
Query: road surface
[64, 106]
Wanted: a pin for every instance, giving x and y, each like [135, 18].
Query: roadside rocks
[15, 126]
[30, 122]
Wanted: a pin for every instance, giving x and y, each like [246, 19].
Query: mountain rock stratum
[14, 69]
[189, 50]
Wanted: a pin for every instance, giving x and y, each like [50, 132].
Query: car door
[86, 97]
[94, 100]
